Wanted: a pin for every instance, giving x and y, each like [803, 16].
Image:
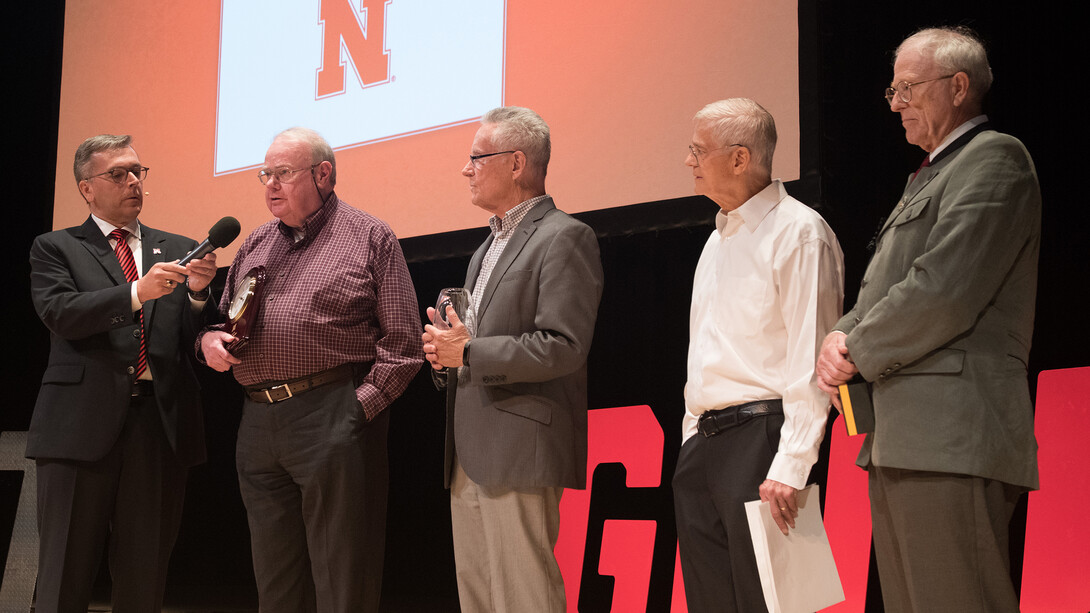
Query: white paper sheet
[798, 573]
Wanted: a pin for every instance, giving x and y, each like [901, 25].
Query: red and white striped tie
[128, 266]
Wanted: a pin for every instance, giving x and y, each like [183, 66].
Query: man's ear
[86, 190]
[324, 173]
[740, 160]
[961, 88]
[519, 167]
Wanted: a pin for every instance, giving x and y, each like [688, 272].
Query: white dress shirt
[768, 287]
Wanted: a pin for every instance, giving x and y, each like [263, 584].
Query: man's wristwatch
[201, 295]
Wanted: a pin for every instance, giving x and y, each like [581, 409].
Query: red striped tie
[128, 266]
[925, 164]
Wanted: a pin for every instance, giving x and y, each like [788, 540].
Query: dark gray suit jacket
[518, 413]
[81, 294]
[944, 317]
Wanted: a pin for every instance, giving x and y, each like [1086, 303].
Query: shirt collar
[513, 217]
[958, 131]
[754, 210]
[311, 225]
[133, 227]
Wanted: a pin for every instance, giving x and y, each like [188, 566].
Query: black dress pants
[714, 479]
[134, 496]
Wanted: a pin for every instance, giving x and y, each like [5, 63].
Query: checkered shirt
[340, 295]
[502, 229]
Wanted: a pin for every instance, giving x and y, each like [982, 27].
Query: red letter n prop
[352, 37]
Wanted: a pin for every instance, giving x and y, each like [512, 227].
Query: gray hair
[320, 151]
[522, 130]
[741, 120]
[93, 145]
[954, 49]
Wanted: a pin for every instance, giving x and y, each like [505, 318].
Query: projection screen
[398, 88]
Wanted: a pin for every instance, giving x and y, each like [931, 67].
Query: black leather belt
[294, 387]
[142, 387]
[714, 422]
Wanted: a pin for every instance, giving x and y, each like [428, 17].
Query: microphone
[220, 235]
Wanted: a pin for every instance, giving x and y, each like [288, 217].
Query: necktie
[925, 164]
[128, 266]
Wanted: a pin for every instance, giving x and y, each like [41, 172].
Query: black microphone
[220, 235]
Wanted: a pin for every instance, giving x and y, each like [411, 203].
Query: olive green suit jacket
[943, 320]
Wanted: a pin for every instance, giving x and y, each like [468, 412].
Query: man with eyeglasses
[768, 286]
[118, 419]
[517, 381]
[333, 345]
[941, 331]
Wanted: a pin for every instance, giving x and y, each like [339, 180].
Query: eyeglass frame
[133, 170]
[906, 97]
[280, 174]
[473, 159]
[693, 148]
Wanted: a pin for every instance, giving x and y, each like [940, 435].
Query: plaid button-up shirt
[342, 294]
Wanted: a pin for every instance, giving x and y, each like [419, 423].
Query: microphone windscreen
[225, 231]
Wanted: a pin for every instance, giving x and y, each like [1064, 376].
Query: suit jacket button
[136, 333]
[130, 370]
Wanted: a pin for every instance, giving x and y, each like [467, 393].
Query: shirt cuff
[789, 470]
[136, 304]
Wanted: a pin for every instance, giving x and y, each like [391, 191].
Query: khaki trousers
[503, 547]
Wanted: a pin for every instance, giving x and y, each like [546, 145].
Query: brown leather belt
[294, 387]
[714, 422]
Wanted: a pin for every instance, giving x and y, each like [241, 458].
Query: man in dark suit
[941, 329]
[517, 378]
[117, 422]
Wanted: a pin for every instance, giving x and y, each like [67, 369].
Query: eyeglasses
[903, 90]
[475, 159]
[281, 174]
[697, 152]
[120, 175]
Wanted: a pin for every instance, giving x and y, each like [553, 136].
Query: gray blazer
[81, 295]
[944, 317]
[517, 415]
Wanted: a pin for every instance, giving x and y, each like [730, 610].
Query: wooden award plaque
[242, 313]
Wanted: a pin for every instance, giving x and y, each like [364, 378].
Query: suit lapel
[96, 243]
[915, 184]
[514, 246]
[153, 251]
[475, 263]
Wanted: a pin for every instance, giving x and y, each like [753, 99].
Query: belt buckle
[286, 388]
[708, 426]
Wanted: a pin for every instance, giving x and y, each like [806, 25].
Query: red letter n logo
[352, 37]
